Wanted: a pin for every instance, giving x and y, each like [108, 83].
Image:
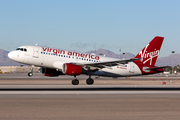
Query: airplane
[55, 62]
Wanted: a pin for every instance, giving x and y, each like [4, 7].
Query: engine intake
[71, 69]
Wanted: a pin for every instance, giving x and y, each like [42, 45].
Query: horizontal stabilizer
[155, 68]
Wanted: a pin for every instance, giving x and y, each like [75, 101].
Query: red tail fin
[151, 51]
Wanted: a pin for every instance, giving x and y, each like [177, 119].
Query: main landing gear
[30, 74]
[89, 81]
[75, 81]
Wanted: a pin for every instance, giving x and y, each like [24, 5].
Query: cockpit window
[22, 49]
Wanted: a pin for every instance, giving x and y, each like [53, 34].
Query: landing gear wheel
[30, 74]
[75, 82]
[89, 81]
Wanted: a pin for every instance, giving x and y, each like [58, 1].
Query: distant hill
[163, 61]
[108, 53]
[169, 60]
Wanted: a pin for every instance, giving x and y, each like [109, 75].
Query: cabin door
[36, 52]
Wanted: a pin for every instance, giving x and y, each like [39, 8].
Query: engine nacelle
[71, 69]
[51, 72]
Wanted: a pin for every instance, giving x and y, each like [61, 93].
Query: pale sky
[84, 25]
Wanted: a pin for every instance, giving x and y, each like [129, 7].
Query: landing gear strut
[30, 74]
[75, 81]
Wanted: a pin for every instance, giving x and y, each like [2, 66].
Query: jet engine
[51, 72]
[71, 69]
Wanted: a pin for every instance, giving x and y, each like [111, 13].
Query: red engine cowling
[51, 72]
[71, 69]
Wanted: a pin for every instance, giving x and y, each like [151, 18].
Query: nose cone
[10, 55]
[15, 56]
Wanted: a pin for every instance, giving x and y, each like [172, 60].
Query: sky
[84, 25]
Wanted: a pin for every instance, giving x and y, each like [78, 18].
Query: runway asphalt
[43, 98]
[38, 84]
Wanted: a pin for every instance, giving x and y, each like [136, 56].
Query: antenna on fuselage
[36, 44]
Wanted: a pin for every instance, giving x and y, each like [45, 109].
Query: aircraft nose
[10, 55]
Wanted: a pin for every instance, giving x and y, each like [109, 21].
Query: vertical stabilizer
[150, 52]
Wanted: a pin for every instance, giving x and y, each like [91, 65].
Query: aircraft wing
[107, 64]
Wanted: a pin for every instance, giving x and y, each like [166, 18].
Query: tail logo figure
[148, 56]
[150, 52]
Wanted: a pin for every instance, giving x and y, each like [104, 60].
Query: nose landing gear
[30, 74]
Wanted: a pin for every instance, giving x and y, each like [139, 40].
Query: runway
[21, 84]
[41, 98]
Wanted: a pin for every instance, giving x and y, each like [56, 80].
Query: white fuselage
[55, 58]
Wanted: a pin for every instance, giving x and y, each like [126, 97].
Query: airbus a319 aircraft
[55, 62]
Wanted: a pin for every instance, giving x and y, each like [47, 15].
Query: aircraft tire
[30, 74]
[89, 81]
[75, 82]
